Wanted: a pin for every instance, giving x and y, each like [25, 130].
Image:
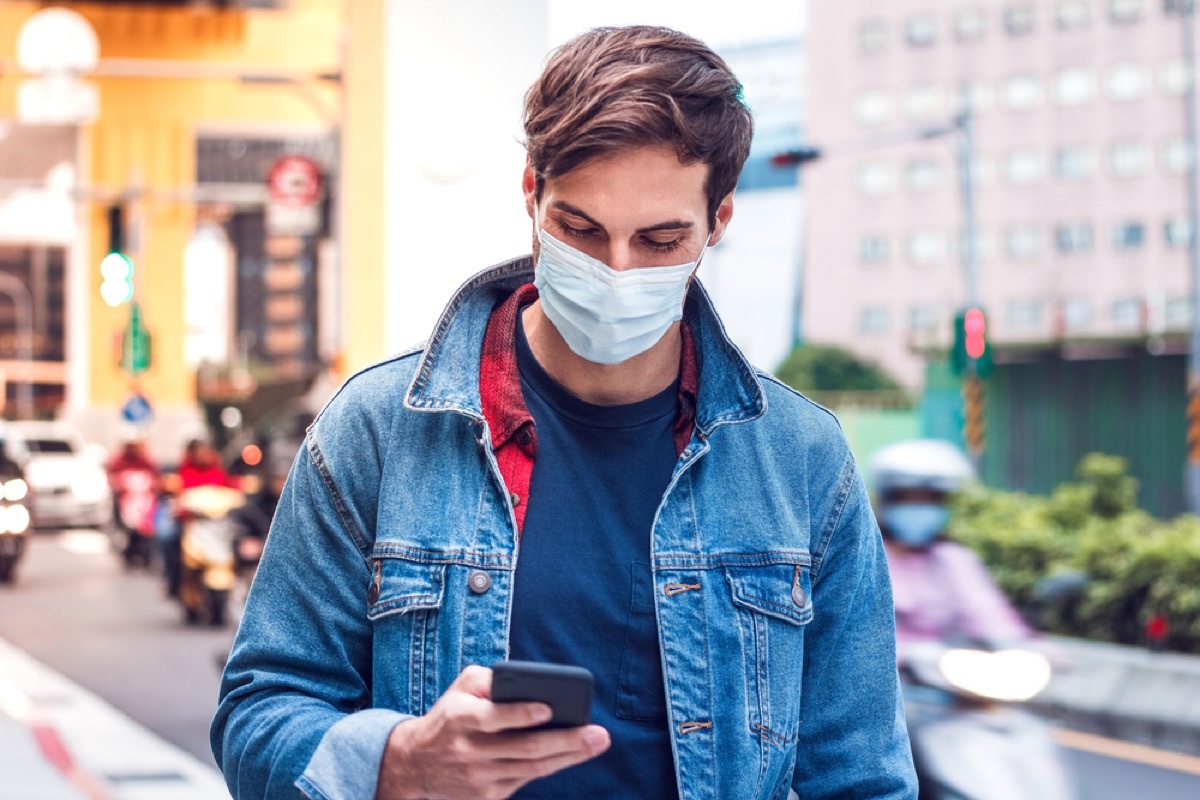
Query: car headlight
[16, 519]
[89, 486]
[14, 490]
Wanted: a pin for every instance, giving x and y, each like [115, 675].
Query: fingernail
[597, 739]
[542, 714]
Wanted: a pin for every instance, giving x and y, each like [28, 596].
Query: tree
[828, 368]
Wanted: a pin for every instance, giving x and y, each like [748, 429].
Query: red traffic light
[975, 328]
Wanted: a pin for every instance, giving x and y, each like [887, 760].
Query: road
[75, 608]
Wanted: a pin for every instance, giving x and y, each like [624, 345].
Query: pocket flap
[406, 586]
[782, 591]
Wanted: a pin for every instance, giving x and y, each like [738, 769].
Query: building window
[1075, 86]
[1022, 92]
[872, 37]
[1127, 313]
[978, 93]
[1176, 155]
[1176, 6]
[1024, 314]
[876, 178]
[873, 107]
[1129, 159]
[923, 175]
[1173, 76]
[1024, 167]
[921, 30]
[926, 247]
[1179, 312]
[1072, 238]
[1128, 81]
[923, 318]
[1023, 242]
[1077, 314]
[1126, 11]
[1177, 233]
[970, 24]
[924, 102]
[1075, 162]
[1073, 14]
[874, 249]
[1129, 235]
[1020, 19]
[874, 319]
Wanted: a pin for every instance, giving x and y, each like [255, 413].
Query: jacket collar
[447, 376]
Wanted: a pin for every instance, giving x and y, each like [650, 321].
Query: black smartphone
[566, 689]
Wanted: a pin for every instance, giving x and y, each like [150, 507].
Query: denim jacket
[390, 561]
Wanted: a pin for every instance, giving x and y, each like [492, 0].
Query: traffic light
[116, 269]
[972, 352]
[135, 343]
[974, 424]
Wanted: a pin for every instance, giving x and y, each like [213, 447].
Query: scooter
[208, 561]
[136, 498]
[970, 739]
[14, 526]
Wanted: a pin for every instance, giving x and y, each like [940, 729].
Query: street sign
[294, 186]
[137, 410]
[135, 343]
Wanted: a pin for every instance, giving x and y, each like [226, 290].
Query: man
[688, 529]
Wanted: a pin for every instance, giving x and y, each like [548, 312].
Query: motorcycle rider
[942, 590]
[131, 460]
[200, 466]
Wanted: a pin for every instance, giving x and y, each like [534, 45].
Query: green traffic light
[117, 272]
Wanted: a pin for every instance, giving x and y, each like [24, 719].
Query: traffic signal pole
[1187, 23]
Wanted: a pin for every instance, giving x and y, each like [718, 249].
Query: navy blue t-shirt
[583, 586]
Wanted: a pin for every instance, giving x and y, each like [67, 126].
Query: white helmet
[933, 464]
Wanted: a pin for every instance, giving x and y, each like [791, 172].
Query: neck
[642, 376]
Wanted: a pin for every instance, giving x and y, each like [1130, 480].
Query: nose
[620, 257]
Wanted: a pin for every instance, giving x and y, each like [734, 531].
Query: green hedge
[1136, 565]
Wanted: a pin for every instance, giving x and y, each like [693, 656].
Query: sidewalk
[59, 741]
[1127, 693]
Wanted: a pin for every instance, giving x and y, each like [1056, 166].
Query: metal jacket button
[479, 581]
[798, 596]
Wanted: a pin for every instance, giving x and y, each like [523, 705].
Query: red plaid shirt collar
[500, 381]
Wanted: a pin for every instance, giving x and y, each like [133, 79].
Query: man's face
[640, 208]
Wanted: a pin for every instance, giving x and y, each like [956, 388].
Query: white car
[68, 487]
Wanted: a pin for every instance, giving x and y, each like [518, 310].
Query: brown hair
[614, 89]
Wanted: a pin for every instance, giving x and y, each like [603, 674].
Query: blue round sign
[137, 410]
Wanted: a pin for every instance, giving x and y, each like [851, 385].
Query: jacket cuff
[346, 763]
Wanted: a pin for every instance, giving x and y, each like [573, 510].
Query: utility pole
[1187, 23]
[797, 158]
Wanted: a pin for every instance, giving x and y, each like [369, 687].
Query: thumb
[475, 681]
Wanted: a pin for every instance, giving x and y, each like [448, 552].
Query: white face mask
[607, 316]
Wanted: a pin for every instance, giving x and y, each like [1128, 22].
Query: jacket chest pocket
[404, 600]
[772, 606]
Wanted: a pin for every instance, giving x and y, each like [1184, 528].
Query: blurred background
[966, 220]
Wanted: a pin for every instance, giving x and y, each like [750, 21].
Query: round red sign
[294, 181]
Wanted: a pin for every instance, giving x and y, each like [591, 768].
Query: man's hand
[469, 747]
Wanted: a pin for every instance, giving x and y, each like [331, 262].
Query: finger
[524, 771]
[499, 717]
[475, 681]
[589, 741]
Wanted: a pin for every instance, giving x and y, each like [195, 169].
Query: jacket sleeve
[293, 711]
[853, 742]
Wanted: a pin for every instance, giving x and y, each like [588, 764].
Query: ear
[529, 187]
[724, 214]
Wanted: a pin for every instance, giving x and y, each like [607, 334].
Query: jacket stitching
[339, 504]
[835, 515]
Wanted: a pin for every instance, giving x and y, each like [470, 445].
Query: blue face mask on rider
[915, 524]
[607, 316]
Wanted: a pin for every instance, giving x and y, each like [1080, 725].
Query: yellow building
[195, 105]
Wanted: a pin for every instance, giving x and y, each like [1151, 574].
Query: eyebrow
[669, 225]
